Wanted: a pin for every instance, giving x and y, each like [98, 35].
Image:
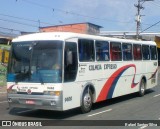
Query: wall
[77, 28]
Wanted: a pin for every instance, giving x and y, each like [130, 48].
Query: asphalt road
[129, 107]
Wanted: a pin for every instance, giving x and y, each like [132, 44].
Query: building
[84, 28]
[130, 35]
[5, 39]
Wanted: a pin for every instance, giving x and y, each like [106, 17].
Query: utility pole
[138, 15]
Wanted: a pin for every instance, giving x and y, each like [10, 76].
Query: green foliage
[3, 70]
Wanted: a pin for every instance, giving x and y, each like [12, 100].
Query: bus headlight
[55, 93]
[11, 91]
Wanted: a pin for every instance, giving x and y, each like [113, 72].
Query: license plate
[30, 102]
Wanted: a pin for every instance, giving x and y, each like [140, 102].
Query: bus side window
[145, 52]
[115, 50]
[70, 62]
[86, 50]
[137, 52]
[102, 50]
[127, 51]
[153, 50]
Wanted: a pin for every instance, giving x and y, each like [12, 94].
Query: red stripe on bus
[153, 74]
[109, 83]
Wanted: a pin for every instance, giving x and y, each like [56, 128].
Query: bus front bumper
[36, 101]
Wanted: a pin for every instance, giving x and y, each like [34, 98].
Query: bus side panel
[71, 95]
[152, 73]
[127, 83]
[124, 79]
[92, 74]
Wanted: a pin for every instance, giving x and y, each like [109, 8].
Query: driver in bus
[56, 66]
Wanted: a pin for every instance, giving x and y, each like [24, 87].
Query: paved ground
[3, 88]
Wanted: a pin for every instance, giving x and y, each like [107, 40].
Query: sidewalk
[3, 89]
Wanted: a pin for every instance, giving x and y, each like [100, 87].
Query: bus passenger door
[70, 96]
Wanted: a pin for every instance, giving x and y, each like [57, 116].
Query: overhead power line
[150, 27]
[10, 29]
[20, 18]
[156, 4]
[19, 23]
[8, 34]
[72, 13]
[29, 24]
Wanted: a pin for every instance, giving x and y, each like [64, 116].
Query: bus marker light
[57, 93]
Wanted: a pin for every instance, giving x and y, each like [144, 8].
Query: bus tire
[86, 104]
[142, 88]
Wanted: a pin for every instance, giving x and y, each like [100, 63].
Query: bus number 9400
[68, 99]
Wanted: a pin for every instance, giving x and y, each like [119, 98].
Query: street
[129, 107]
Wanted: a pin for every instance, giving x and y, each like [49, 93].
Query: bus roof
[68, 35]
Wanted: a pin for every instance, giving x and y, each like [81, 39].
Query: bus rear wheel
[86, 101]
[142, 88]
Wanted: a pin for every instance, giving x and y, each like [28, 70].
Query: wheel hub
[87, 101]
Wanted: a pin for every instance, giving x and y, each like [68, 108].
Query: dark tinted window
[153, 50]
[102, 50]
[145, 52]
[127, 51]
[115, 51]
[137, 52]
[86, 50]
[70, 62]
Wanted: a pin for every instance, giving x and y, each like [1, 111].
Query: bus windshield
[37, 62]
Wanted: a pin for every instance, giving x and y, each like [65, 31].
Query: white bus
[62, 70]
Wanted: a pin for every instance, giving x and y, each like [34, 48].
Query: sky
[112, 15]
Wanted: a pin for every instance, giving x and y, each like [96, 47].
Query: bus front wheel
[142, 88]
[86, 101]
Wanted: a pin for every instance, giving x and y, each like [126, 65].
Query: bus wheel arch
[87, 98]
[142, 86]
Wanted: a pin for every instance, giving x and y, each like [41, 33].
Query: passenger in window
[91, 58]
[56, 67]
[98, 57]
[106, 57]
